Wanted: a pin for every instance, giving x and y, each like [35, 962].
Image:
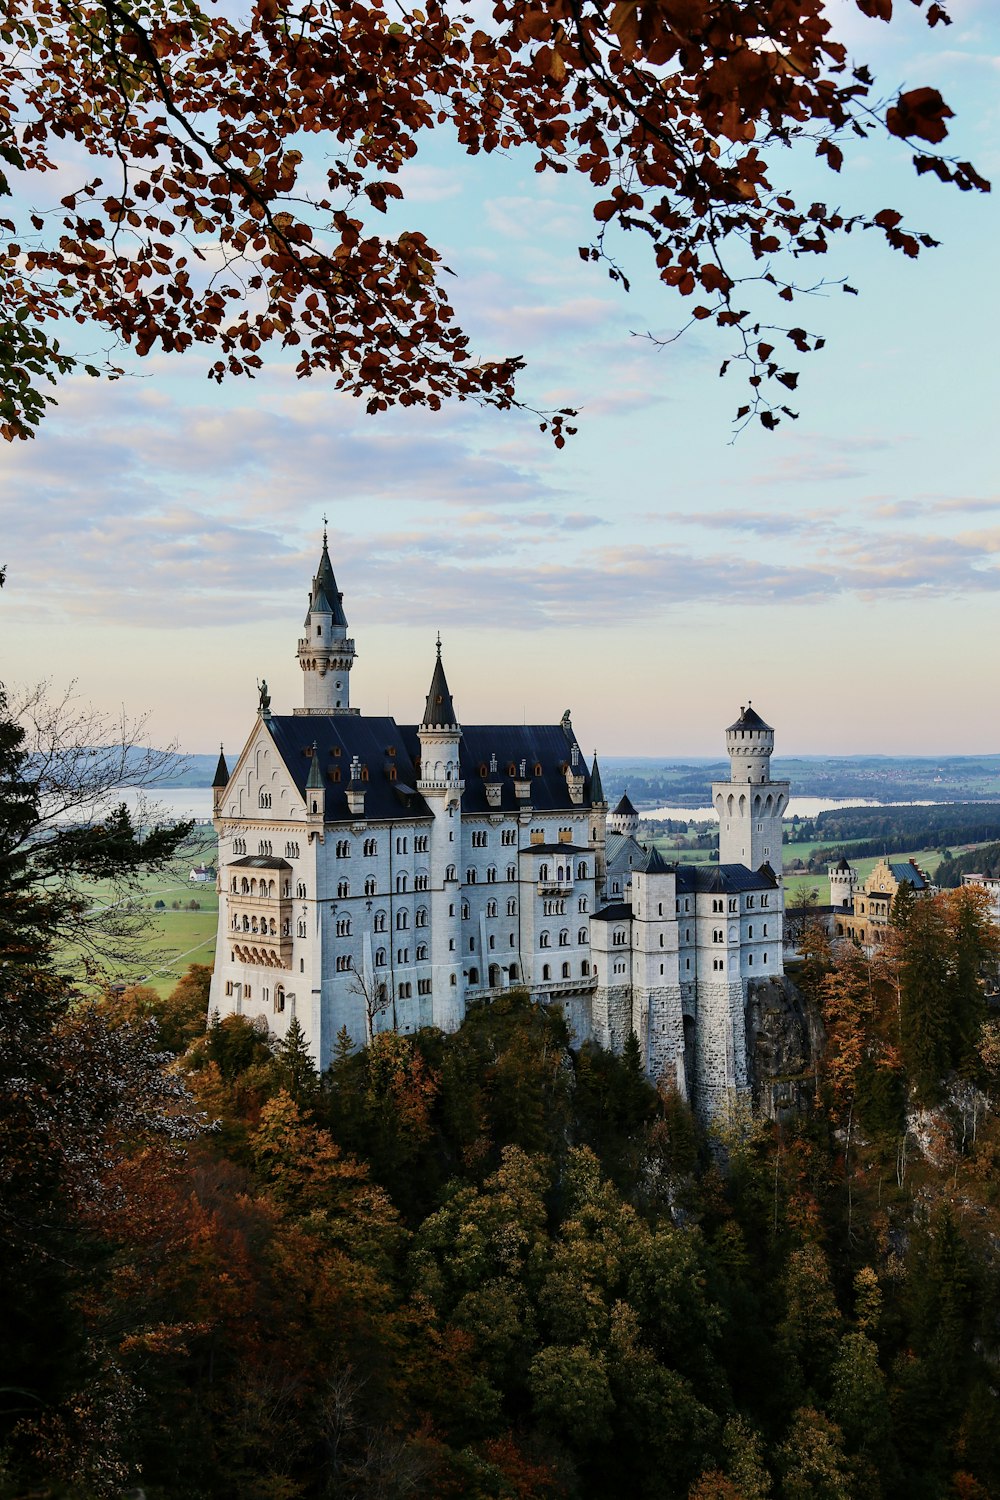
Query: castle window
[509, 836]
[473, 976]
[661, 939]
[465, 911]
[370, 847]
[749, 901]
[343, 926]
[512, 907]
[424, 986]
[343, 889]
[378, 922]
[344, 963]
[543, 940]
[543, 872]
[421, 953]
[491, 942]
[400, 884]
[763, 900]
[765, 930]
[512, 872]
[491, 908]
[564, 939]
[480, 839]
[491, 875]
[380, 958]
[370, 886]
[581, 936]
[420, 882]
[660, 909]
[421, 918]
[334, 776]
[581, 905]
[565, 971]
[451, 873]
[718, 936]
[585, 968]
[264, 847]
[581, 870]
[402, 920]
[343, 849]
[546, 971]
[750, 959]
[470, 876]
[301, 929]
[618, 937]
[265, 799]
[765, 958]
[420, 844]
[402, 955]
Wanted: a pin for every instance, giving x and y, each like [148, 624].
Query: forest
[490, 1263]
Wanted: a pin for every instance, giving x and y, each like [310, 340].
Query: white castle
[375, 875]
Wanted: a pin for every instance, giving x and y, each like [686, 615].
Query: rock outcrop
[784, 1042]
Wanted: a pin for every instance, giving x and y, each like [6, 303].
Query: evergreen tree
[295, 1064]
[925, 979]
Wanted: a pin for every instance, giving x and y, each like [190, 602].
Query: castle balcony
[263, 947]
[555, 887]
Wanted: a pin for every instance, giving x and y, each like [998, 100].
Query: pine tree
[295, 1063]
[925, 974]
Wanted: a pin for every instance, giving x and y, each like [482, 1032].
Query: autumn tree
[195, 128]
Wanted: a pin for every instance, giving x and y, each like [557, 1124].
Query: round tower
[624, 819]
[749, 743]
[750, 805]
[326, 654]
[842, 883]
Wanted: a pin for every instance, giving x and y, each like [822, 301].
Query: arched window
[546, 972]
[543, 940]
[618, 937]
[491, 942]
[246, 886]
[420, 920]
[343, 926]
[513, 971]
[378, 921]
[370, 886]
[451, 873]
[512, 906]
[465, 911]
[343, 888]
[564, 939]
[265, 799]
[581, 936]
[400, 884]
[421, 953]
[581, 870]
[491, 908]
[470, 876]
[585, 968]
[300, 890]
[543, 872]
[402, 920]
[512, 872]
[491, 875]
[565, 971]
[380, 958]
[343, 849]
[302, 929]
[473, 976]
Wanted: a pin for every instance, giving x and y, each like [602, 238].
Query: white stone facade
[376, 876]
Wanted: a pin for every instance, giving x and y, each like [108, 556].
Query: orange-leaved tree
[199, 218]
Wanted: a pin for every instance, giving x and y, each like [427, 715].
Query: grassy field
[171, 939]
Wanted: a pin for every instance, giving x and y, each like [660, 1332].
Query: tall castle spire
[326, 653]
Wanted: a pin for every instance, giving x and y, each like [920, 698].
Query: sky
[842, 572]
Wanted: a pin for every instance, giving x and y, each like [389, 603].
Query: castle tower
[657, 1018]
[598, 828]
[624, 819]
[750, 805]
[842, 883]
[441, 785]
[325, 653]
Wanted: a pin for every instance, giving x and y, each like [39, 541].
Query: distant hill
[652, 782]
[881, 778]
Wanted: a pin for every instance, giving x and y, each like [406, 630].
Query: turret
[219, 783]
[750, 805]
[598, 828]
[326, 654]
[440, 784]
[843, 880]
[624, 819]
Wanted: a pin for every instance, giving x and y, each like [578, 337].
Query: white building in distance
[375, 875]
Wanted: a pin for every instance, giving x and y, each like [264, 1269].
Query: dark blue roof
[325, 595]
[619, 911]
[708, 879]
[439, 711]
[548, 746]
[625, 808]
[379, 744]
[908, 871]
[656, 864]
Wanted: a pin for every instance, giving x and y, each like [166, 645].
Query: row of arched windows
[565, 973]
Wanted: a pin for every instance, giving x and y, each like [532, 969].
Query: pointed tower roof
[314, 781]
[440, 710]
[750, 719]
[221, 777]
[656, 864]
[596, 786]
[625, 808]
[326, 598]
